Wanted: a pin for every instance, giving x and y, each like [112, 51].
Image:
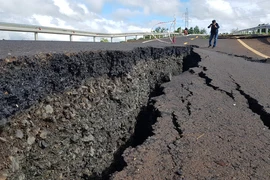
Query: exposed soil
[75, 114]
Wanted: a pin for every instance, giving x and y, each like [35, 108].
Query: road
[215, 118]
[229, 46]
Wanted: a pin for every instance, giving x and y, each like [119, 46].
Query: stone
[129, 77]
[21, 177]
[49, 109]
[43, 144]
[88, 138]
[74, 138]
[43, 134]
[25, 123]
[92, 151]
[31, 140]
[3, 176]
[14, 164]
[3, 139]
[171, 146]
[221, 162]
[179, 172]
[19, 134]
[36, 131]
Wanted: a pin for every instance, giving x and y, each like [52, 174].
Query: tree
[191, 31]
[203, 31]
[179, 30]
[196, 30]
[160, 29]
[104, 40]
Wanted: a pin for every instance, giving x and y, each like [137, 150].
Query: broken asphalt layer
[214, 124]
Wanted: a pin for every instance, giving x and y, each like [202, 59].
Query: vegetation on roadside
[104, 40]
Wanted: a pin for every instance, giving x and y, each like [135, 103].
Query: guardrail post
[266, 30]
[94, 38]
[260, 30]
[70, 37]
[111, 39]
[36, 36]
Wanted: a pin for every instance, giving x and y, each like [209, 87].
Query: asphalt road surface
[215, 121]
[215, 117]
[229, 46]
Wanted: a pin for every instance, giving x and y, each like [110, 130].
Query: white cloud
[87, 15]
[85, 9]
[125, 13]
[64, 7]
[96, 5]
[230, 14]
[162, 7]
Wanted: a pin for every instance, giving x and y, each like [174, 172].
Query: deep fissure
[191, 60]
[208, 83]
[255, 106]
[188, 105]
[146, 118]
[188, 108]
[246, 57]
[143, 129]
[177, 126]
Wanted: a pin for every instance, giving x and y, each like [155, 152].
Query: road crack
[246, 57]
[188, 105]
[216, 88]
[177, 126]
[254, 105]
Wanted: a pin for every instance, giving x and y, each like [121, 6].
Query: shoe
[213, 47]
[209, 46]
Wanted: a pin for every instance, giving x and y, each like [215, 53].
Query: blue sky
[114, 16]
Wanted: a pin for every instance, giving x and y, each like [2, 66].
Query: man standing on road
[214, 33]
[186, 31]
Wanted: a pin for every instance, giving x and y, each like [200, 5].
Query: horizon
[119, 16]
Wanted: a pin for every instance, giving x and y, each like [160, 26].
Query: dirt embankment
[70, 116]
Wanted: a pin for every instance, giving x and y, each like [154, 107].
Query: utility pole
[186, 18]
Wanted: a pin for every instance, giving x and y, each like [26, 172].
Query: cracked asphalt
[214, 124]
[214, 120]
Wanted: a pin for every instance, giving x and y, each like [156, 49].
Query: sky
[119, 16]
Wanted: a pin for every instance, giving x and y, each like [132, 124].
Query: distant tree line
[193, 30]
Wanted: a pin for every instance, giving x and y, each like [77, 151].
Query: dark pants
[215, 36]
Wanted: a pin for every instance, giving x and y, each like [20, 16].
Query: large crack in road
[254, 105]
[85, 117]
[200, 124]
[214, 132]
[148, 117]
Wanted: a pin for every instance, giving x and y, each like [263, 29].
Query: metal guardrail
[253, 29]
[71, 32]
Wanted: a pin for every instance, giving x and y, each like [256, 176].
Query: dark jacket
[214, 30]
